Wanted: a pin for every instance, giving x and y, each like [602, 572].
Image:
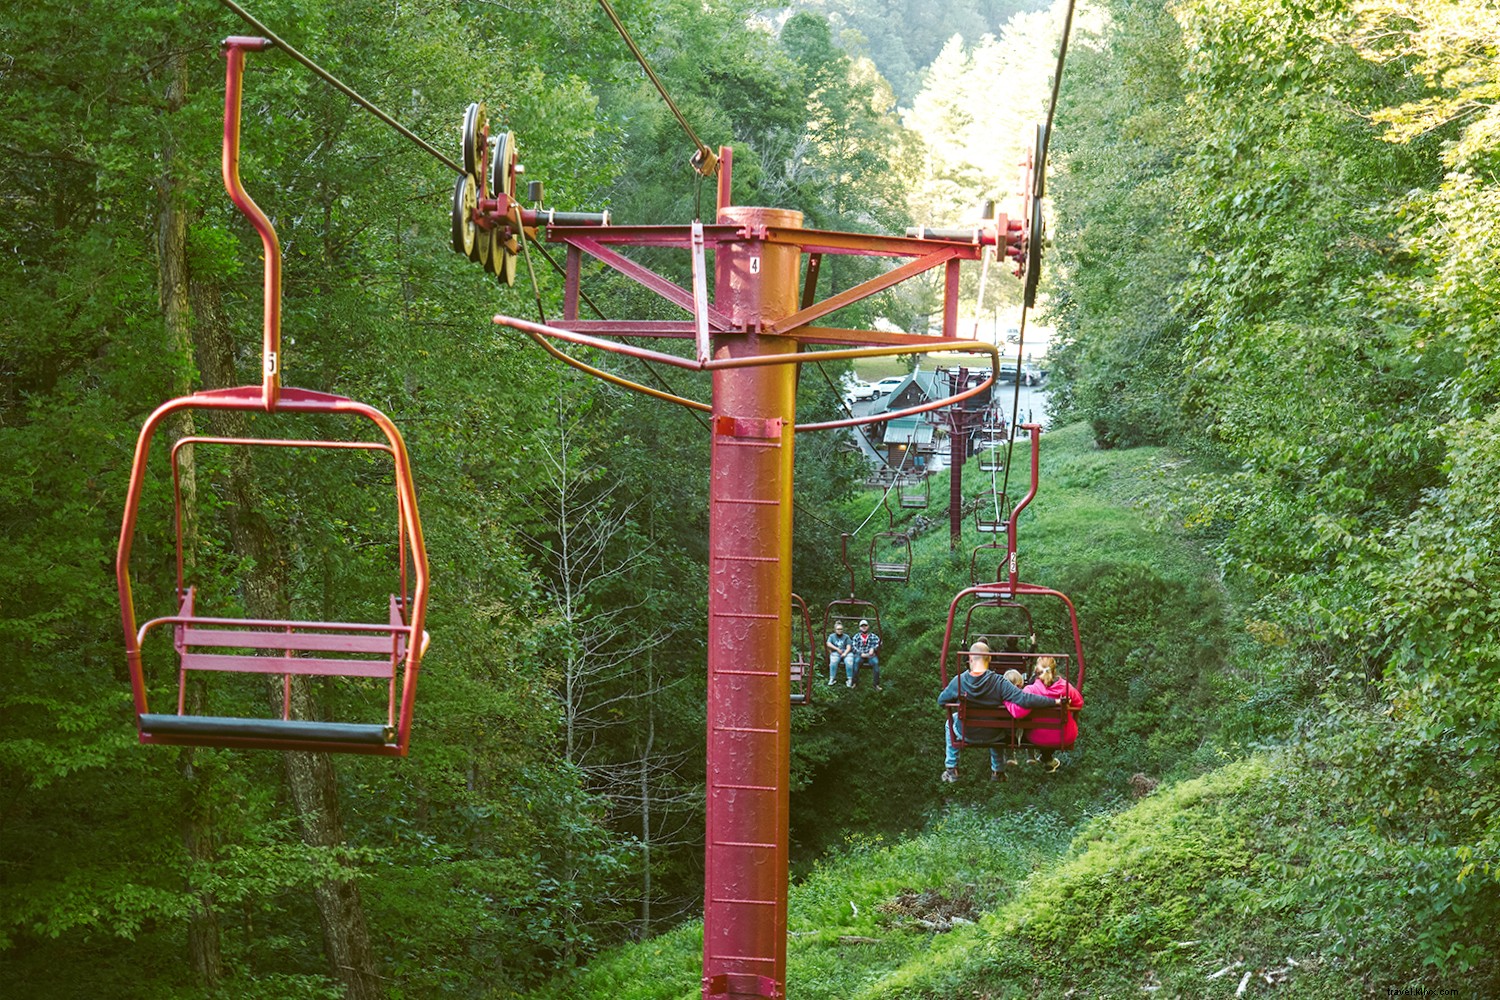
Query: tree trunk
[204, 951]
[646, 810]
[310, 777]
[346, 938]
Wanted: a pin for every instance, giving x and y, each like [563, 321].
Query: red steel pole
[958, 449]
[749, 617]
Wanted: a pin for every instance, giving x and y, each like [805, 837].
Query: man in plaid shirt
[865, 645]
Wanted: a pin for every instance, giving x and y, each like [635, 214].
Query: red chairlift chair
[849, 610]
[1007, 597]
[803, 645]
[913, 491]
[992, 513]
[388, 651]
[986, 725]
[890, 552]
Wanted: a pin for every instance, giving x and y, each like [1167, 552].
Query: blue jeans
[833, 666]
[872, 660]
[997, 761]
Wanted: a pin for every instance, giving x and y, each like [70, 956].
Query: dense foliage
[1301, 284]
[1274, 250]
[553, 799]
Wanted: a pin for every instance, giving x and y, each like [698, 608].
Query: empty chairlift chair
[993, 580]
[890, 552]
[990, 443]
[385, 654]
[992, 513]
[803, 653]
[913, 491]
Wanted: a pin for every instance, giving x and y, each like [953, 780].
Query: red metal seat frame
[394, 636]
[802, 654]
[1001, 729]
[399, 642]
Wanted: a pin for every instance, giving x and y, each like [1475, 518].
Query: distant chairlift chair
[992, 513]
[913, 491]
[890, 552]
[991, 446]
[803, 649]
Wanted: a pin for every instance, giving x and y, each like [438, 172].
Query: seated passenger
[865, 645]
[980, 687]
[840, 651]
[1048, 683]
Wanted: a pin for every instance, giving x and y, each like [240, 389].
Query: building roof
[927, 385]
[910, 430]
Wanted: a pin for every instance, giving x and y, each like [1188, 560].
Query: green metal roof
[913, 430]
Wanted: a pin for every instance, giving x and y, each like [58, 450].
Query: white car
[886, 385]
[856, 389]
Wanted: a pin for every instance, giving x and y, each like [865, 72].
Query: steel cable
[340, 86]
[704, 160]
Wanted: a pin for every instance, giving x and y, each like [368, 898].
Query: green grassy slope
[1089, 882]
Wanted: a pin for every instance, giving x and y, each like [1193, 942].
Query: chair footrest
[274, 729]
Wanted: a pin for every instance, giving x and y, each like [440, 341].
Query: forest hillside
[1209, 832]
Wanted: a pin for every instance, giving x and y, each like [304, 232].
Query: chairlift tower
[752, 335]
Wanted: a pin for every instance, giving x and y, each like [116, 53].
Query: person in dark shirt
[981, 687]
[866, 644]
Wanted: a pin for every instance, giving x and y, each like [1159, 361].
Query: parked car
[1029, 375]
[887, 385]
[857, 389]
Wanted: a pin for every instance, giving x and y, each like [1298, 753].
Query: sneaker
[997, 775]
[830, 683]
[950, 774]
[879, 687]
[848, 684]
[1052, 765]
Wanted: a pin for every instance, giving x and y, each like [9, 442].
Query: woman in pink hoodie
[1049, 685]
